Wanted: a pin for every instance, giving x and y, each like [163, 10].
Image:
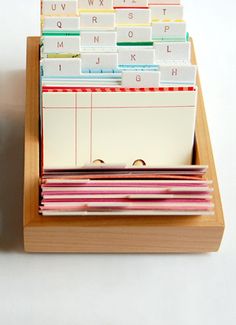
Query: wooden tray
[112, 234]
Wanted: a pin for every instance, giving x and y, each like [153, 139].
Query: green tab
[59, 33]
[134, 44]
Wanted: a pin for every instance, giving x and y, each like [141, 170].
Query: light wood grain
[112, 234]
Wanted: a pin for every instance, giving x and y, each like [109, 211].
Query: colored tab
[130, 3]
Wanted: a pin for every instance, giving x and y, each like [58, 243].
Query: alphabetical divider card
[155, 126]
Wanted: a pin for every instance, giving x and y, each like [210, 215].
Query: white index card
[61, 67]
[99, 61]
[173, 51]
[140, 79]
[96, 20]
[166, 12]
[134, 33]
[133, 16]
[61, 23]
[95, 4]
[135, 56]
[61, 44]
[98, 38]
[59, 7]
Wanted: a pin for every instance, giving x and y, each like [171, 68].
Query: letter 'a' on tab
[130, 3]
[95, 4]
[59, 7]
[173, 51]
[61, 67]
[59, 44]
[140, 79]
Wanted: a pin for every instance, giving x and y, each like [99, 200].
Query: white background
[71, 289]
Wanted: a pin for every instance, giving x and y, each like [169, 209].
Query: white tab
[165, 2]
[134, 34]
[140, 79]
[166, 12]
[95, 4]
[173, 51]
[178, 74]
[130, 3]
[61, 23]
[168, 29]
[136, 56]
[98, 39]
[61, 67]
[61, 44]
[133, 16]
[99, 61]
[60, 7]
[97, 20]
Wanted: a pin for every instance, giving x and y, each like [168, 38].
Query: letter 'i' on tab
[97, 20]
[173, 51]
[178, 74]
[133, 16]
[98, 39]
[59, 44]
[61, 23]
[61, 67]
[98, 61]
[95, 4]
[166, 12]
[134, 34]
[60, 7]
[168, 29]
[140, 79]
[130, 3]
[136, 57]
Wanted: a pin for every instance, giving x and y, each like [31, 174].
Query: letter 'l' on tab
[173, 51]
[59, 7]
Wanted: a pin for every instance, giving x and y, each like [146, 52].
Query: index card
[133, 16]
[176, 73]
[165, 29]
[59, 7]
[98, 38]
[166, 12]
[61, 44]
[130, 3]
[96, 20]
[95, 4]
[61, 23]
[134, 33]
[61, 67]
[165, 2]
[140, 79]
[137, 56]
[173, 51]
[99, 61]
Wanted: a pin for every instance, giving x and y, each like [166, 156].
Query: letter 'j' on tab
[60, 7]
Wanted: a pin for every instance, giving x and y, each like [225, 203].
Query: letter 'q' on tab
[60, 7]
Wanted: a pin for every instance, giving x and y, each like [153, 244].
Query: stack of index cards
[117, 85]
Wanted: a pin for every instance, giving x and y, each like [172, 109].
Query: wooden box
[150, 234]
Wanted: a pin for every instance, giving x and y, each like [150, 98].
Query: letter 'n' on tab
[59, 7]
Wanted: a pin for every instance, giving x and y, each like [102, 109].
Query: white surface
[38, 289]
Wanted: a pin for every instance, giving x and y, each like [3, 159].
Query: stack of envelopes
[118, 89]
